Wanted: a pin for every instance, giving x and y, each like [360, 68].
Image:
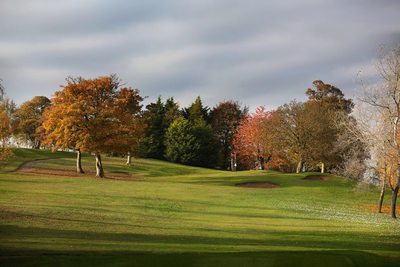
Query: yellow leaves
[5, 132]
[5, 153]
[5, 128]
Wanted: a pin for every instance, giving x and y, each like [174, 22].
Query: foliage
[151, 144]
[189, 143]
[169, 135]
[28, 120]
[206, 154]
[5, 133]
[6, 109]
[181, 145]
[251, 140]
[157, 117]
[128, 110]
[329, 96]
[171, 112]
[225, 118]
[295, 133]
[196, 111]
[93, 115]
[309, 132]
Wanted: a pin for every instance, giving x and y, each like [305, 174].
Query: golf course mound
[33, 167]
[266, 185]
[72, 174]
[316, 178]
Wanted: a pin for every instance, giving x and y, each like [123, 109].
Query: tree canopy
[28, 120]
[157, 117]
[5, 133]
[190, 143]
[91, 115]
[225, 118]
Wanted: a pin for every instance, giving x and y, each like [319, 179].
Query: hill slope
[160, 207]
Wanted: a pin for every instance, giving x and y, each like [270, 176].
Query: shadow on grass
[271, 258]
[298, 240]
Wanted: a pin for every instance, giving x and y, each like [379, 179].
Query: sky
[256, 52]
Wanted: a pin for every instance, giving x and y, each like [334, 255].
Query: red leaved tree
[251, 142]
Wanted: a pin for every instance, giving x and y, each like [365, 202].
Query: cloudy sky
[258, 52]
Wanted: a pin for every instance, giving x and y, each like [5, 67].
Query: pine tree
[157, 118]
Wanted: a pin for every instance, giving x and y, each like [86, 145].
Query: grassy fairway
[170, 215]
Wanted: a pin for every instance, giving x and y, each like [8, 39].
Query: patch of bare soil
[29, 167]
[265, 185]
[317, 177]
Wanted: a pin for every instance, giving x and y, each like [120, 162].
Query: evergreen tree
[189, 143]
[225, 118]
[207, 146]
[157, 117]
[171, 112]
[151, 144]
[181, 145]
[196, 111]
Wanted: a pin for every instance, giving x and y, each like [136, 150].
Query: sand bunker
[316, 178]
[258, 185]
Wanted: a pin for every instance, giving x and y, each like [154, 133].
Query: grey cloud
[258, 52]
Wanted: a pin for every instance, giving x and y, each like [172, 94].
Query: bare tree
[384, 98]
[2, 90]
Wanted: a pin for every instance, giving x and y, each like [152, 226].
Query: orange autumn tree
[250, 141]
[6, 109]
[94, 116]
[59, 132]
[5, 133]
[131, 129]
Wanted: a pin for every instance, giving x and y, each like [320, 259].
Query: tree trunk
[233, 162]
[380, 203]
[258, 160]
[79, 161]
[394, 194]
[37, 144]
[394, 200]
[99, 166]
[299, 166]
[322, 167]
[262, 162]
[129, 160]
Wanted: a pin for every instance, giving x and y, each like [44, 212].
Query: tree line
[323, 133]
[101, 115]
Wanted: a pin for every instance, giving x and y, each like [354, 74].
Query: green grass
[174, 215]
[20, 156]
